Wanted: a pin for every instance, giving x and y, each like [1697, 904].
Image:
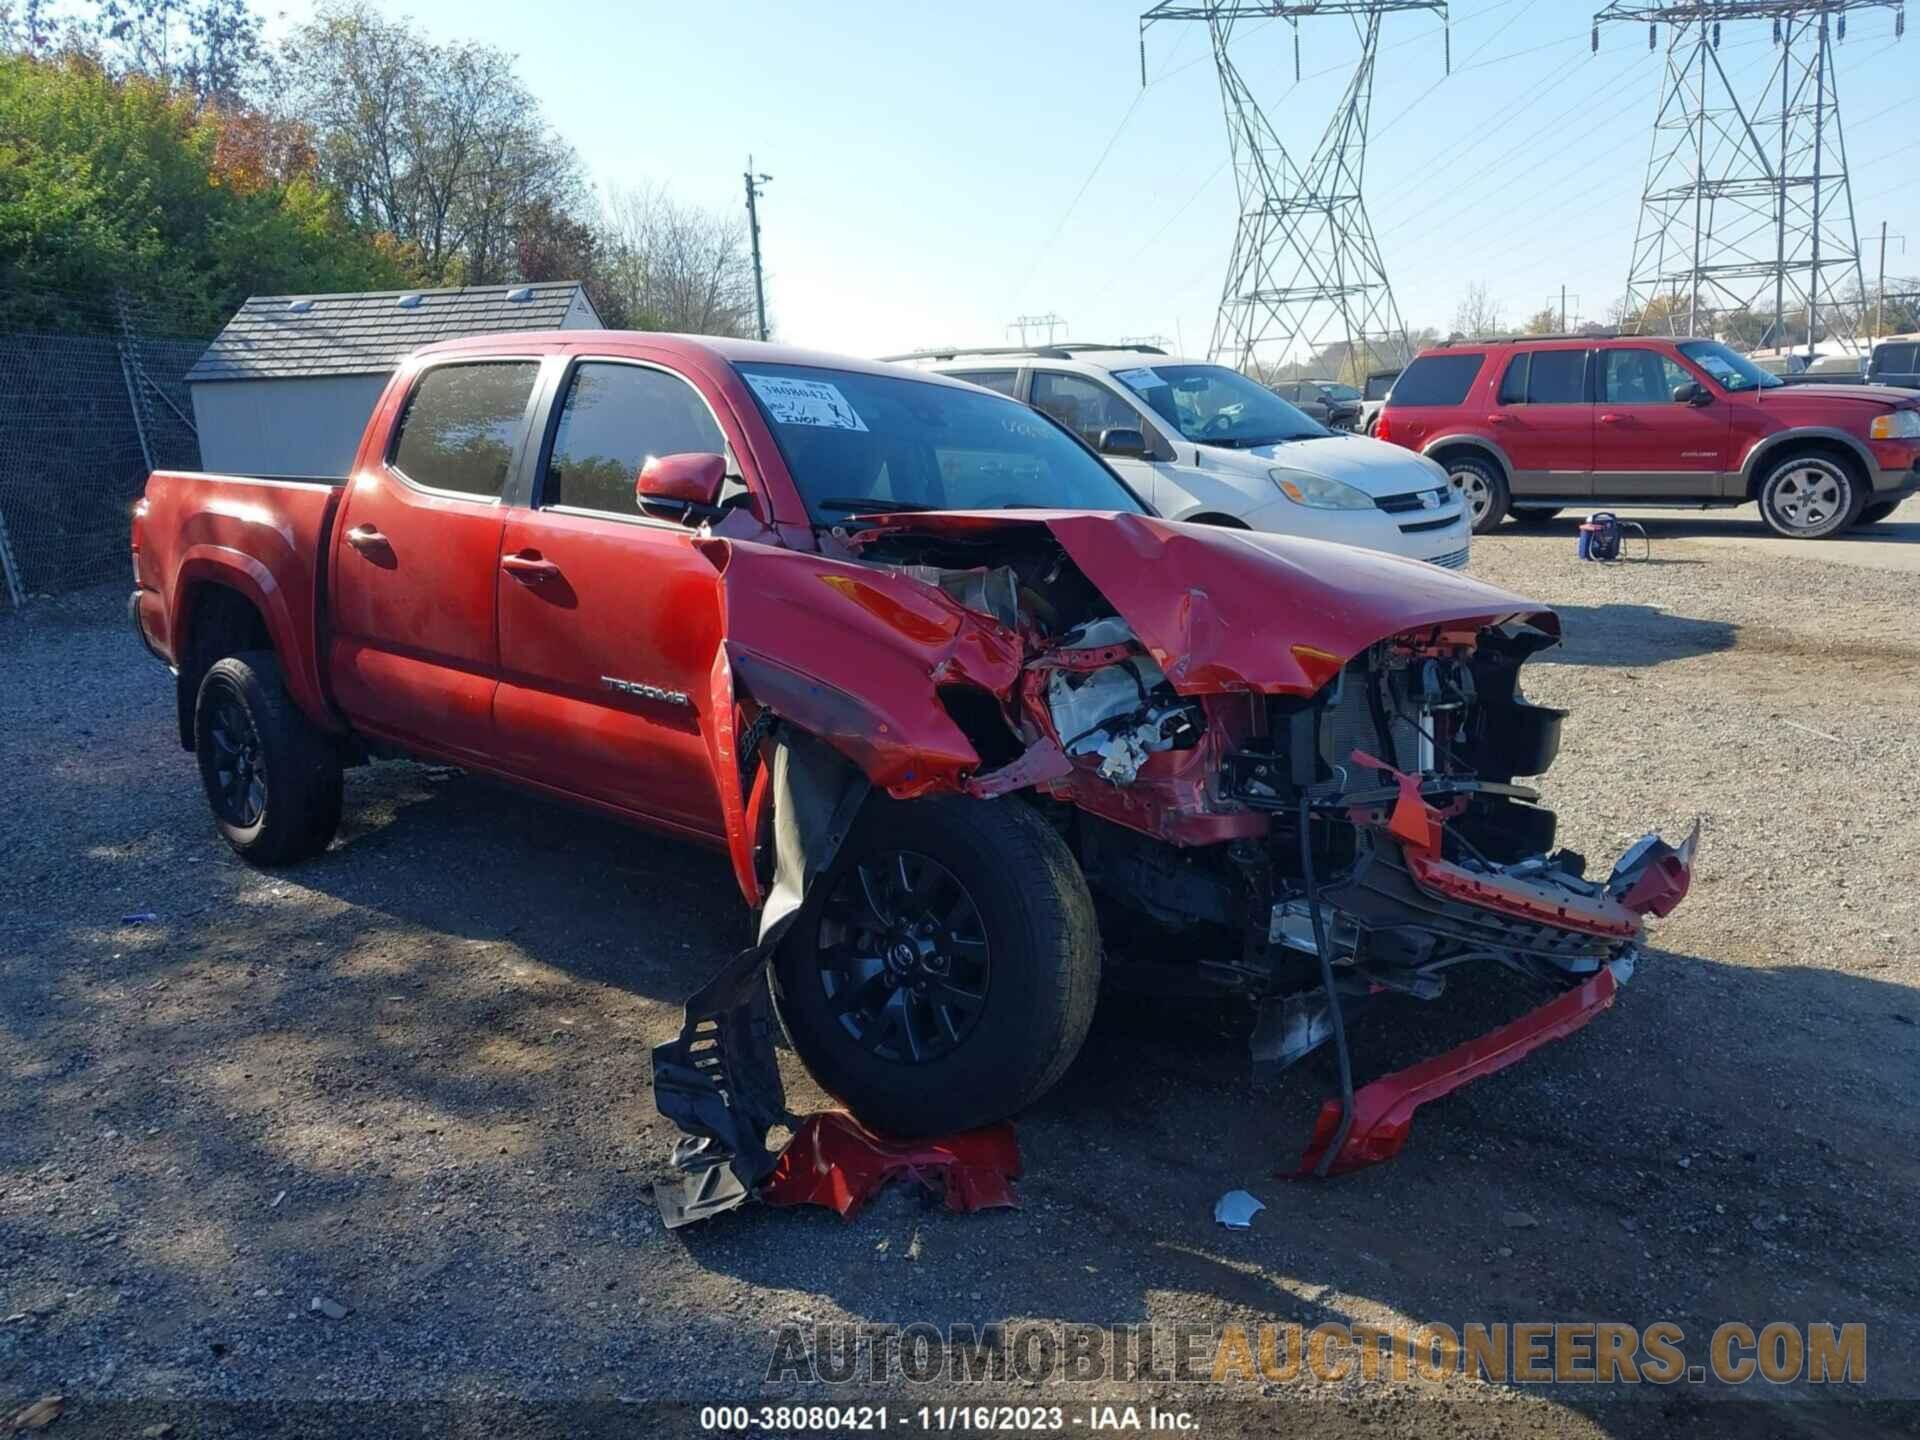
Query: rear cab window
[462, 424]
[1442, 379]
[1000, 380]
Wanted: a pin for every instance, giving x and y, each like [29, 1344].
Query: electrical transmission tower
[1746, 221]
[1306, 270]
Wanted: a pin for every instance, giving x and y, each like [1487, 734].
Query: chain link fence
[87, 416]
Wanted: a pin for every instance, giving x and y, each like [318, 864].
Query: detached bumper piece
[1383, 1110]
[833, 1161]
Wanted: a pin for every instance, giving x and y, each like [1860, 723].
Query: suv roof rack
[1453, 340]
[1064, 351]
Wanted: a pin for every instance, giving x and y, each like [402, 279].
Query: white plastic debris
[1236, 1210]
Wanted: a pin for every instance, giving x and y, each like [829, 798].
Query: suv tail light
[1380, 430]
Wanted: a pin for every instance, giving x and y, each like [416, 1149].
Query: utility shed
[287, 386]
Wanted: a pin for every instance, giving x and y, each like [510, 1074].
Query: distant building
[287, 386]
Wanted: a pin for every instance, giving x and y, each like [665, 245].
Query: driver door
[609, 619]
[1087, 407]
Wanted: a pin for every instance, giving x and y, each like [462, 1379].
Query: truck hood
[1371, 466]
[1236, 610]
[1881, 397]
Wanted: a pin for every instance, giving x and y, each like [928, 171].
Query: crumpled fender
[1237, 610]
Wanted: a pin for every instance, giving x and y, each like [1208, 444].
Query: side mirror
[1127, 443]
[1692, 393]
[675, 486]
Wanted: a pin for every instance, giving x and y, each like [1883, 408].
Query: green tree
[132, 183]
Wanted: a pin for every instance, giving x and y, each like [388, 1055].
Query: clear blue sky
[927, 158]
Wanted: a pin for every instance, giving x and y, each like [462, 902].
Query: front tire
[272, 779]
[1483, 488]
[944, 973]
[1809, 497]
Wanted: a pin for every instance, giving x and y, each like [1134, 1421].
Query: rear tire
[1810, 496]
[1483, 488]
[952, 994]
[1877, 512]
[272, 778]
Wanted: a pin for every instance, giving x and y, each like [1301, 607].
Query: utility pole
[754, 182]
[1564, 330]
[1880, 291]
[1049, 321]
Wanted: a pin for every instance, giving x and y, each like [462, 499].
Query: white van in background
[1223, 449]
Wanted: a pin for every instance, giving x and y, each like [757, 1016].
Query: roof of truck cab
[733, 352]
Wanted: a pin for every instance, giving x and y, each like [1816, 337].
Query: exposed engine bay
[1274, 788]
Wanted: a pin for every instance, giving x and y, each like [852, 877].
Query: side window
[1896, 359]
[1001, 380]
[459, 428]
[1513, 384]
[1639, 377]
[1557, 377]
[1442, 379]
[1083, 406]
[613, 419]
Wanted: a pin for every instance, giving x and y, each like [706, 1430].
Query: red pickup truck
[1531, 425]
[969, 720]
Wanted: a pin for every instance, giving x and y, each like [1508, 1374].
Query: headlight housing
[1317, 492]
[1896, 425]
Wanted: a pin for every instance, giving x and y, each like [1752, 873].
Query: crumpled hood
[1225, 610]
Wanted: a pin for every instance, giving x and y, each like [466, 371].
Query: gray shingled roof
[296, 336]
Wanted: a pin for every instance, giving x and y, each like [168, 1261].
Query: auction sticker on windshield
[805, 402]
[1144, 378]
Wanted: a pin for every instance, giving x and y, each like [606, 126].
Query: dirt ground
[411, 1079]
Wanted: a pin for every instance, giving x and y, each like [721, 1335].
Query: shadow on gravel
[1633, 636]
[434, 1039]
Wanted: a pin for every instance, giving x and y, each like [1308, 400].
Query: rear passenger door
[609, 619]
[412, 651]
[1645, 443]
[1542, 418]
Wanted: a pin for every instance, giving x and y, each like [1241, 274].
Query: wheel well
[219, 622]
[1448, 453]
[1813, 445]
[1214, 517]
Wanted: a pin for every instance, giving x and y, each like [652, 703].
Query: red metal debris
[1383, 1110]
[833, 1161]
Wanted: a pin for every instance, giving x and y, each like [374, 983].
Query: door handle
[1496, 420]
[1611, 419]
[364, 538]
[529, 568]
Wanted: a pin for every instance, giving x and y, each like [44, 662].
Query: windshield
[1340, 392]
[1212, 405]
[857, 442]
[1734, 372]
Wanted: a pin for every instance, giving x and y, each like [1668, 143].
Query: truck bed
[266, 536]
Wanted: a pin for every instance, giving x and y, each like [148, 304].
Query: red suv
[1533, 424]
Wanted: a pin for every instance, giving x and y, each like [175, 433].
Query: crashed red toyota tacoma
[971, 723]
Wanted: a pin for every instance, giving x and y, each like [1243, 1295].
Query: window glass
[460, 425]
[615, 418]
[856, 441]
[1001, 380]
[1639, 377]
[1212, 405]
[1513, 384]
[1895, 358]
[1557, 377]
[1337, 391]
[1734, 372]
[1085, 407]
[1435, 380]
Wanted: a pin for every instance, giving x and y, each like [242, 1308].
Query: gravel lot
[411, 1078]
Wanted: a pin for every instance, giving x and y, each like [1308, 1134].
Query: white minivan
[1222, 448]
